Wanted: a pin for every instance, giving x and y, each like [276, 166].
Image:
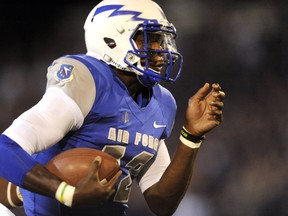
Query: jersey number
[134, 166]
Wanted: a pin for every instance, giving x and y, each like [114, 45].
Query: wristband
[65, 193]
[189, 140]
[9, 198]
[19, 195]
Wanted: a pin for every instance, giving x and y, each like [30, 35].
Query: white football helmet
[109, 35]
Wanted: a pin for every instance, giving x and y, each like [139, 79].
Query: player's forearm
[14, 161]
[18, 167]
[164, 197]
[41, 181]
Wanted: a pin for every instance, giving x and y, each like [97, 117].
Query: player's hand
[91, 191]
[204, 111]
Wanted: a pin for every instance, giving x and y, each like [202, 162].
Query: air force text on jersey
[123, 136]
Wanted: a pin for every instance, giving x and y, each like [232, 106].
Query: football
[74, 164]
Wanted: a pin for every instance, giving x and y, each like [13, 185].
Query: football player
[110, 99]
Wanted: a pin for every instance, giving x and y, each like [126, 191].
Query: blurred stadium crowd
[241, 168]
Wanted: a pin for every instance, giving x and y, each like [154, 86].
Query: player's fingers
[216, 115]
[218, 118]
[97, 162]
[111, 184]
[216, 105]
[114, 179]
[216, 87]
[215, 112]
[95, 167]
[111, 192]
[219, 95]
[201, 93]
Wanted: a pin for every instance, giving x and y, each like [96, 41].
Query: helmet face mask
[157, 51]
[111, 31]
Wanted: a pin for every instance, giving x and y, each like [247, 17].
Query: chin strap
[146, 81]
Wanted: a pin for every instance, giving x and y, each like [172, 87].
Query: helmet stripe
[117, 12]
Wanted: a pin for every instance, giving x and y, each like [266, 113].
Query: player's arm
[45, 124]
[204, 112]
[35, 130]
[62, 109]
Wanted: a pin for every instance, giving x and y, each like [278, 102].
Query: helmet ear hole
[110, 42]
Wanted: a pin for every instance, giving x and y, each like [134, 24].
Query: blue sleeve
[14, 161]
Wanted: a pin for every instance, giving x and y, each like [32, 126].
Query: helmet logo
[116, 11]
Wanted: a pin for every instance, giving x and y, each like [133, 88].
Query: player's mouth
[156, 66]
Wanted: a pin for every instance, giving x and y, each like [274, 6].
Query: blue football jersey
[116, 124]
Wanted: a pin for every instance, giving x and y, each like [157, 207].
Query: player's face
[155, 42]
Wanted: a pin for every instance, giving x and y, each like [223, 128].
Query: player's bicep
[75, 79]
[156, 169]
[46, 123]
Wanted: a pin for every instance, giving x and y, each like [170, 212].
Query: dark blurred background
[241, 168]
